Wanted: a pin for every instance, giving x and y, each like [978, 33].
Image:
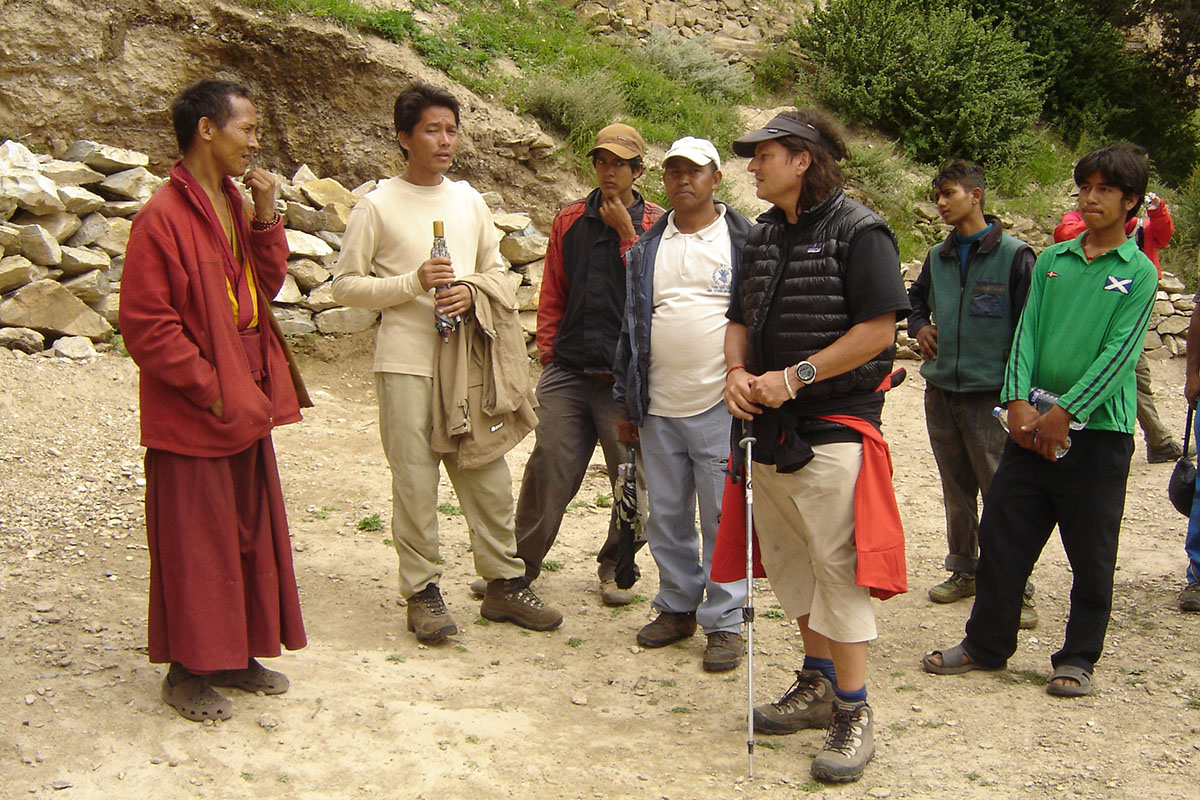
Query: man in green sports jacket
[1078, 337]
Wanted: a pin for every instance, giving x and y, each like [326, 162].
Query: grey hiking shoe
[808, 704]
[513, 600]
[1171, 451]
[954, 588]
[667, 628]
[723, 651]
[1029, 614]
[1189, 598]
[428, 617]
[849, 744]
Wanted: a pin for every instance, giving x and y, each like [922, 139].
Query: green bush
[692, 63]
[576, 109]
[926, 72]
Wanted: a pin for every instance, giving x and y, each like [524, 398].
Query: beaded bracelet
[264, 226]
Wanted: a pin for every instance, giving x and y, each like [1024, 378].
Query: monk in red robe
[200, 270]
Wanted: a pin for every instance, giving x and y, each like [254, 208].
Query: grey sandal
[1073, 673]
[954, 662]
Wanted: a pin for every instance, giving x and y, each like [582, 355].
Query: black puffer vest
[810, 290]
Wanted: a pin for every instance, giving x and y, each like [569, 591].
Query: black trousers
[1084, 493]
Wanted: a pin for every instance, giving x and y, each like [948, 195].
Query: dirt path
[501, 712]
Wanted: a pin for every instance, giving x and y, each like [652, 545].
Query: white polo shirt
[693, 274]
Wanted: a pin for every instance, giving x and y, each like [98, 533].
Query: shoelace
[843, 732]
[805, 686]
[433, 603]
[523, 595]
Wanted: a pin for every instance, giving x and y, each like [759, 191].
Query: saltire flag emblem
[1116, 284]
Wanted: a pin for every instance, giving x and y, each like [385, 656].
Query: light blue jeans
[684, 461]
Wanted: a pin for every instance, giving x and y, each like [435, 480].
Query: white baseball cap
[697, 151]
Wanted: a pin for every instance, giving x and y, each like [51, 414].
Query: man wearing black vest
[965, 305]
[808, 348]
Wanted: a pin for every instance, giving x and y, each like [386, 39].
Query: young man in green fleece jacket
[965, 307]
[1078, 337]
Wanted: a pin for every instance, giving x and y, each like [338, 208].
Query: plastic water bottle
[1001, 415]
[1043, 401]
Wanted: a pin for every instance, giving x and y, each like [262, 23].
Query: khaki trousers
[485, 494]
[805, 526]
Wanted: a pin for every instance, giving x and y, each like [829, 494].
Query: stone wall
[735, 28]
[64, 225]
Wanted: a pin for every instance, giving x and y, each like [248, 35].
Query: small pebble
[579, 700]
[58, 785]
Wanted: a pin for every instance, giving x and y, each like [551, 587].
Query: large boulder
[92, 227]
[70, 173]
[308, 273]
[131, 184]
[288, 293]
[116, 238]
[90, 287]
[295, 321]
[29, 190]
[324, 191]
[345, 320]
[78, 260]
[59, 224]
[321, 298]
[76, 348]
[48, 307]
[522, 249]
[306, 245]
[15, 272]
[24, 339]
[78, 200]
[39, 246]
[14, 155]
[104, 158]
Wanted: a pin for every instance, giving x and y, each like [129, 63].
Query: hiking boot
[513, 600]
[723, 651]
[1171, 451]
[808, 704]
[667, 628]
[428, 617]
[1189, 598]
[954, 588]
[613, 595]
[1029, 614]
[849, 745]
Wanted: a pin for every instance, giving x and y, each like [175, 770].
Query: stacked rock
[64, 225]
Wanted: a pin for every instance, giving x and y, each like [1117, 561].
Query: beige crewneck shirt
[388, 236]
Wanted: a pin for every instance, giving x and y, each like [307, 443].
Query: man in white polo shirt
[670, 379]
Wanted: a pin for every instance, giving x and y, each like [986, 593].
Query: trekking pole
[747, 442]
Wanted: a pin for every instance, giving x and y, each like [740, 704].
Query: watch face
[806, 372]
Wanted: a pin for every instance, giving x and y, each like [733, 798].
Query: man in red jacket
[200, 270]
[1153, 233]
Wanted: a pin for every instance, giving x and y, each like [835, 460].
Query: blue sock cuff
[859, 696]
[822, 665]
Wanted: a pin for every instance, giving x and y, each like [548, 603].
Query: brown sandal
[254, 678]
[194, 699]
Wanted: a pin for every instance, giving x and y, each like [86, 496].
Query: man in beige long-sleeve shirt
[385, 263]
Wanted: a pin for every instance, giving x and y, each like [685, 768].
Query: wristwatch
[806, 373]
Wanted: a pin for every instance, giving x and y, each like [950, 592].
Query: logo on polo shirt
[722, 280]
[1116, 284]
[1051, 274]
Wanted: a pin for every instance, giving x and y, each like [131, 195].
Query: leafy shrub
[576, 108]
[1095, 84]
[924, 71]
[692, 63]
